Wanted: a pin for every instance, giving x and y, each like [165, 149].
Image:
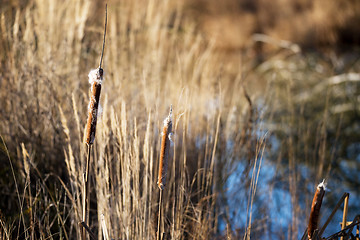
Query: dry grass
[155, 56]
[144, 55]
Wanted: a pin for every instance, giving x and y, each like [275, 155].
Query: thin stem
[102, 52]
[85, 191]
[159, 235]
[87, 163]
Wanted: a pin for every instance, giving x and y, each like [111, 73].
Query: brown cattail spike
[95, 79]
[315, 209]
[164, 152]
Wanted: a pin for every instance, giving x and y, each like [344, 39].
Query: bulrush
[164, 151]
[315, 209]
[95, 79]
[163, 164]
[96, 76]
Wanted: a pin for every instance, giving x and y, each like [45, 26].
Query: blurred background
[266, 105]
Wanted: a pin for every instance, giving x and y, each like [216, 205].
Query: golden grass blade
[104, 228]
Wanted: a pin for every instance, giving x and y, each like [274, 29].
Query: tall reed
[96, 76]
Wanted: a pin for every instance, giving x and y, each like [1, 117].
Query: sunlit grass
[227, 105]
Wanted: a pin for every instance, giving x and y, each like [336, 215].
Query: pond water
[273, 210]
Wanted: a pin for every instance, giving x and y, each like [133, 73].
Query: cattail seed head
[164, 151]
[95, 79]
[315, 209]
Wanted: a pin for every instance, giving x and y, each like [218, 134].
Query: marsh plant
[256, 120]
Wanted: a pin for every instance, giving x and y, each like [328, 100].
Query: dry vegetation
[223, 103]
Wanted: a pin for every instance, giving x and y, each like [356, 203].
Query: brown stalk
[163, 164]
[95, 79]
[315, 209]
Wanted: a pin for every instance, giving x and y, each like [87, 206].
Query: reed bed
[155, 55]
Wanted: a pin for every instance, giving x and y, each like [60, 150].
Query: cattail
[95, 79]
[315, 209]
[164, 152]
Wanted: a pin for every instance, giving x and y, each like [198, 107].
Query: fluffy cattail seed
[95, 79]
[315, 209]
[164, 152]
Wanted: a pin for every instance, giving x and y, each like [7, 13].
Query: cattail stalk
[315, 209]
[95, 79]
[163, 163]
